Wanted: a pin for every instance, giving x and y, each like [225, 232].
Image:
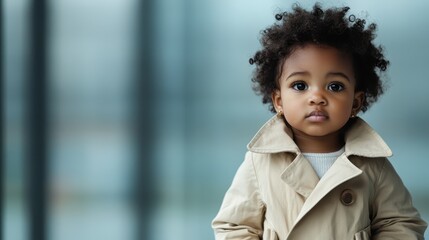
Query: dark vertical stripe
[144, 120]
[2, 121]
[36, 121]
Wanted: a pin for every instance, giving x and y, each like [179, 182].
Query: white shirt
[321, 162]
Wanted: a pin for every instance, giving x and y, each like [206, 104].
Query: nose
[317, 98]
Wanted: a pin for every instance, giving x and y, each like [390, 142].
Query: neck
[318, 144]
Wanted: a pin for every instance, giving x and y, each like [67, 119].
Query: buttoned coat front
[276, 194]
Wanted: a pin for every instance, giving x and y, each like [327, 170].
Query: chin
[322, 133]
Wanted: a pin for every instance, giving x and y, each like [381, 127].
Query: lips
[317, 116]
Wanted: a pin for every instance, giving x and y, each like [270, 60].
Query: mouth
[317, 116]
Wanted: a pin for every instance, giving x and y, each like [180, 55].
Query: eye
[299, 86]
[335, 87]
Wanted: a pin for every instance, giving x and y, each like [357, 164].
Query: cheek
[290, 103]
[344, 103]
[343, 107]
[290, 98]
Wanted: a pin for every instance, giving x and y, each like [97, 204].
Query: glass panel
[15, 53]
[91, 153]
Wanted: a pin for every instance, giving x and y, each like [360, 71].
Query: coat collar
[361, 140]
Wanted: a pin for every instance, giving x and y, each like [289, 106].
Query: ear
[277, 100]
[357, 102]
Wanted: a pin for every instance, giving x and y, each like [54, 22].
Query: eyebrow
[297, 73]
[341, 74]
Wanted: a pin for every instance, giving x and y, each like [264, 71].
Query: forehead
[314, 58]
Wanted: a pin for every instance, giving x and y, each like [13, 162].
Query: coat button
[347, 197]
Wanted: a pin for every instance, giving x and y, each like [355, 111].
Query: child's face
[317, 91]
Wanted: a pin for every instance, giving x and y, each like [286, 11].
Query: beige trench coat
[277, 195]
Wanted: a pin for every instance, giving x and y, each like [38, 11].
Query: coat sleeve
[242, 212]
[394, 216]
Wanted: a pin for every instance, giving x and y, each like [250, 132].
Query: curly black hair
[331, 27]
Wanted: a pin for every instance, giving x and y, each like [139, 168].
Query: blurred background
[127, 119]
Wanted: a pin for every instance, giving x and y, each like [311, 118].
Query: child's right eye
[299, 86]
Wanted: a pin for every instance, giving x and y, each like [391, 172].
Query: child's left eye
[335, 87]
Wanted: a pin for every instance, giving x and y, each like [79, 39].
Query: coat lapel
[342, 170]
[300, 176]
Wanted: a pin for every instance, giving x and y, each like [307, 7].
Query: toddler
[315, 170]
